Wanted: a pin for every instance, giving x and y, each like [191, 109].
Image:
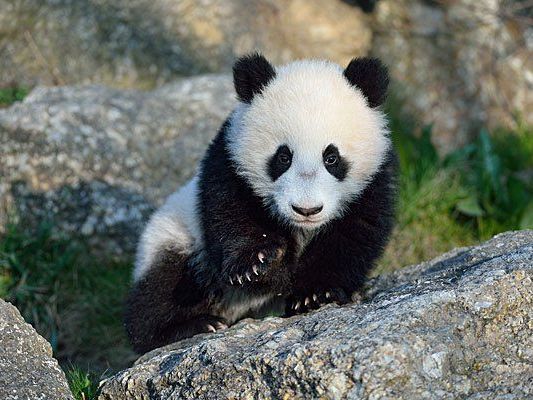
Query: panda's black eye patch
[335, 164]
[280, 162]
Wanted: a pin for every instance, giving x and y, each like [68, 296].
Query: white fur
[236, 304]
[174, 225]
[308, 106]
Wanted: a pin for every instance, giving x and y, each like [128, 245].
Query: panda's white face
[307, 188]
[309, 143]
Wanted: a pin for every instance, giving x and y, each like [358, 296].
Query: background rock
[458, 64]
[110, 218]
[95, 160]
[143, 43]
[27, 368]
[455, 327]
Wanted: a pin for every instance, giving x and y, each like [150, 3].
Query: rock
[143, 43]
[458, 64]
[27, 368]
[456, 327]
[108, 218]
[96, 160]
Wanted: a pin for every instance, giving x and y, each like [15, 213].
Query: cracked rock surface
[27, 368]
[459, 326]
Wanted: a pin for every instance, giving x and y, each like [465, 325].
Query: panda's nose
[306, 212]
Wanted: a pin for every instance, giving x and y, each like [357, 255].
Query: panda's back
[175, 225]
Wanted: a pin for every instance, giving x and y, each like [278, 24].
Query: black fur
[167, 304]
[371, 76]
[181, 296]
[236, 225]
[366, 5]
[250, 75]
[277, 165]
[340, 168]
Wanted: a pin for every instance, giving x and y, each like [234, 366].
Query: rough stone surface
[96, 160]
[27, 368]
[458, 64]
[142, 43]
[459, 326]
[109, 218]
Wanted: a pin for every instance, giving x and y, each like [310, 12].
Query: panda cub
[291, 206]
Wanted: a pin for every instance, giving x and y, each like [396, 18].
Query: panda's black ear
[251, 74]
[371, 77]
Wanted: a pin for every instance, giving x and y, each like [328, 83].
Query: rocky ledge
[459, 326]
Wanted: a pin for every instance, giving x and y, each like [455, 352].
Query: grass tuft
[84, 385]
[31, 269]
[11, 95]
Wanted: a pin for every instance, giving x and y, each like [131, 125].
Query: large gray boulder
[458, 64]
[143, 43]
[27, 369]
[459, 326]
[96, 160]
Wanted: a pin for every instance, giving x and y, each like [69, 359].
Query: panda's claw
[220, 326]
[211, 328]
[264, 257]
[328, 295]
[315, 297]
[297, 305]
[306, 301]
[230, 280]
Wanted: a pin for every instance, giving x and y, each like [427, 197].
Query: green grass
[470, 195]
[10, 95]
[84, 385]
[71, 299]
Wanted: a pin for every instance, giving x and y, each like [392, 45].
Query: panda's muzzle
[307, 212]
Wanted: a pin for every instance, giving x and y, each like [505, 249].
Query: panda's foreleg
[333, 267]
[167, 304]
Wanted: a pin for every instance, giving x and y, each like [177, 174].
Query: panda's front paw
[303, 302]
[251, 263]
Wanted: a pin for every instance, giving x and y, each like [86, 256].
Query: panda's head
[308, 136]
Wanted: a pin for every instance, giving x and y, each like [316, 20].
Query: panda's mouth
[307, 222]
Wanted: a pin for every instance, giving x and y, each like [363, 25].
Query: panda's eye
[284, 159]
[280, 162]
[331, 159]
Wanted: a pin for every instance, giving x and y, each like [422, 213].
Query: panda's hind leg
[166, 304]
